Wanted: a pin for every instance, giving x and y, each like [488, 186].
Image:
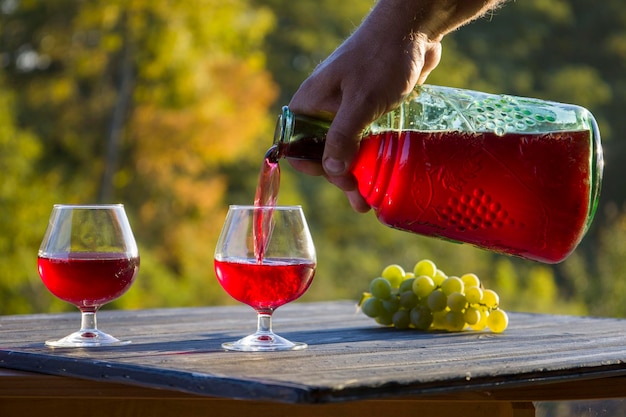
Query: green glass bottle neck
[298, 136]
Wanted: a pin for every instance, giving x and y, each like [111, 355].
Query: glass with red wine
[88, 257]
[265, 258]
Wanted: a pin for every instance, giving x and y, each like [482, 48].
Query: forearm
[430, 18]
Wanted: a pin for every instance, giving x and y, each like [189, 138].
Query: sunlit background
[169, 106]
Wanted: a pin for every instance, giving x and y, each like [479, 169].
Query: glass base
[89, 338]
[263, 342]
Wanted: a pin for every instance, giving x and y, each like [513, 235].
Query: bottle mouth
[284, 125]
[273, 154]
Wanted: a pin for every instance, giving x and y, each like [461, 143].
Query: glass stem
[264, 323]
[88, 321]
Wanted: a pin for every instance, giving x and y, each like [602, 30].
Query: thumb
[342, 140]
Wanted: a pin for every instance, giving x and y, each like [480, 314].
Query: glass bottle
[513, 175]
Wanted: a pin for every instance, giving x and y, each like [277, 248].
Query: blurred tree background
[169, 107]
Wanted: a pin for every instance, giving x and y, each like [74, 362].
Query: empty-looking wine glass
[88, 257]
[265, 258]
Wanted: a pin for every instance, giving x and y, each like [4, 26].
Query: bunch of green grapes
[428, 299]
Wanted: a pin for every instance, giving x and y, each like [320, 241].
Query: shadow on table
[338, 338]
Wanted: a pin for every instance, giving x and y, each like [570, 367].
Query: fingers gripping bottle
[513, 175]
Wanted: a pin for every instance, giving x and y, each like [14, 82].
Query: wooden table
[176, 367]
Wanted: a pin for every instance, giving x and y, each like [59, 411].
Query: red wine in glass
[88, 257]
[265, 285]
[88, 280]
[280, 276]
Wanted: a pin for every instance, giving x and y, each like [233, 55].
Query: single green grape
[455, 321]
[407, 285]
[421, 317]
[470, 280]
[481, 324]
[437, 301]
[457, 302]
[439, 277]
[423, 285]
[408, 300]
[497, 321]
[451, 285]
[401, 319]
[384, 320]
[472, 316]
[490, 298]
[425, 267]
[439, 320]
[380, 288]
[394, 273]
[391, 305]
[372, 307]
[473, 294]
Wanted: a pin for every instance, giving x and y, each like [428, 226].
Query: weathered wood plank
[349, 356]
[228, 408]
[21, 384]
